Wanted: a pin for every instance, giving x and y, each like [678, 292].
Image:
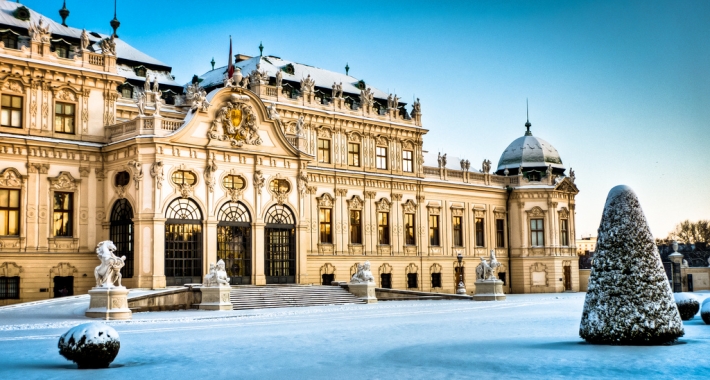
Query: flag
[230, 67]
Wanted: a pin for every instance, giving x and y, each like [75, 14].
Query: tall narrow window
[354, 154]
[412, 282]
[9, 212]
[436, 280]
[434, 230]
[355, 227]
[63, 214]
[409, 228]
[11, 111]
[64, 118]
[326, 224]
[564, 235]
[324, 151]
[383, 227]
[500, 233]
[458, 231]
[480, 236]
[381, 157]
[537, 232]
[407, 161]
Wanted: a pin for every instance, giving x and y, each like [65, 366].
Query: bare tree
[688, 232]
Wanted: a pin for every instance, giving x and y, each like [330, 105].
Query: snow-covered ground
[527, 336]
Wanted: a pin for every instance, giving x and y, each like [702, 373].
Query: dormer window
[289, 69]
[9, 38]
[61, 48]
[126, 90]
[534, 176]
[169, 96]
[140, 71]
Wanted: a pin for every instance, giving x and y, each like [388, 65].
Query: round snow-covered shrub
[629, 300]
[705, 311]
[687, 305]
[90, 345]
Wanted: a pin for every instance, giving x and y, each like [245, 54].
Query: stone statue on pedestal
[488, 286]
[363, 274]
[109, 272]
[362, 284]
[108, 300]
[215, 289]
[217, 275]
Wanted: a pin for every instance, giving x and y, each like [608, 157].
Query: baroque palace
[287, 172]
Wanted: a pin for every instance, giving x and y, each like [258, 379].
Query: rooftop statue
[363, 274]
[146, 84]
[571, 175]
[299, 126]
[279, 78]
[84, 40]
[40, 32]
[140, 103]
[416, 107]
[109, 272]
[486, 166]
[155, 84]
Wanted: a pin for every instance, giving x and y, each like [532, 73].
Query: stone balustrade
[85, 59]
[143, 125]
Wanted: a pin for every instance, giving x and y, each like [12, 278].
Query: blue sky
[620, 88]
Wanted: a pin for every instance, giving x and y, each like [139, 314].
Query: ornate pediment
[383, 205]
[12, 86]
[567, 186]
[10, 177]
[564, 213]
[409, 207]
[325, 200]
[64, 181]
[10, 269]
[434, 208]
[535, 212]
[235, 122]
[355, 203]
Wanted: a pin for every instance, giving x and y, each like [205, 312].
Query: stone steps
[273, 296]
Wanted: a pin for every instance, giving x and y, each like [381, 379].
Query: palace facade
[287, 172]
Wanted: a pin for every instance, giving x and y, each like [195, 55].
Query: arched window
[280, 245]
[183, 242]
[121, 233]
[234, 241]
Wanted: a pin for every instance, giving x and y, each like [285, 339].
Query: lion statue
[109, 272]
[363, 274]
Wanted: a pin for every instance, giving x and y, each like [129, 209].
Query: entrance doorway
[280, 246]
[183, 243]
[234, 242]
[121, 234]
[567, 277]
[63, 286]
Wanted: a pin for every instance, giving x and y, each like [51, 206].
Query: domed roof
[530, 152]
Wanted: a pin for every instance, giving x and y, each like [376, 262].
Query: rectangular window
[354, 154]
[458, 231]
[386, 280]
[383, 228]
[537, 232]
[64, 117]
[412, 282]
[564, 236]
[63, 214]
[500, 233]
[434, 230]
[9, 212]
[11, 111]
[326, 224]
[409, 229]
[381, 157]
[355, 227]
[436, 280]
[324, 151]
[9, 288]
[480, 236]
[407, 161]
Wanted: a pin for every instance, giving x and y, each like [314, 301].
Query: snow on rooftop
[271, 65]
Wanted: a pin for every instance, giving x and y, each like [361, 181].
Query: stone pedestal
[109, 304]
[460, 288]
[215, 298]
[364, 291]
[489, 290]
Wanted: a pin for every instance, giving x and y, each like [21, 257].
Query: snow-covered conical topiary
[629, 299]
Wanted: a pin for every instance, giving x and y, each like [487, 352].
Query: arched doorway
[183, 243]
[121, 234]
[280, 246]
[234, 241]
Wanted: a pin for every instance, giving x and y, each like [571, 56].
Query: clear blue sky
[620, 88]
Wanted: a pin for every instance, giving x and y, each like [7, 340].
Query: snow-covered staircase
[270, 296]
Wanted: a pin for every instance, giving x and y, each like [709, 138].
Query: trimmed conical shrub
[629, 299]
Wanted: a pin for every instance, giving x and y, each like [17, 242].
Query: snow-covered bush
[688, 306]
[90, 345]
[705, 311]
[629, 299]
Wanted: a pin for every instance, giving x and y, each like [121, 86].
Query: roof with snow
[124, 51]
[529, 152]
[271, 65]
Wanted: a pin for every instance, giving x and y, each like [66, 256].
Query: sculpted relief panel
[235, 122]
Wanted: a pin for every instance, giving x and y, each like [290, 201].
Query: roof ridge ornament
[64, 13]
[527, 123]
[115, 23]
